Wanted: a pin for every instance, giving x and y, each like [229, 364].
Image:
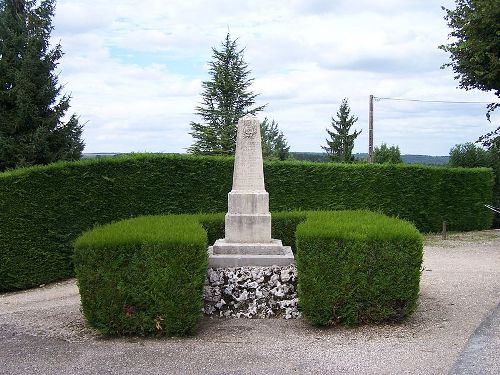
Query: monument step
[274, 247]
[243, 260]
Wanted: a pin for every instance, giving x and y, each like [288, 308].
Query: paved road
[454, 331]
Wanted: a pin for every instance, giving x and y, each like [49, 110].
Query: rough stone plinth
[251, 292]
[248, 240]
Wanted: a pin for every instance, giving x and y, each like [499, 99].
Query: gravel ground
[454, 331]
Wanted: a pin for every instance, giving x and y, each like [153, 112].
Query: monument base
[251, 292]
[225, 254]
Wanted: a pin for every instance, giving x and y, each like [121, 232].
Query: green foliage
[495, 161]
[226, 99]
[407, 159]
[143, 275]
[44, 209]
[32, 109]
[213, 224]
[274, 145]
[357, 267]
[384, 154]
[471, 156]
[339, 146]
[320, 157]
[424, 195]
[475, 50]
[284, 224]
[468, 155]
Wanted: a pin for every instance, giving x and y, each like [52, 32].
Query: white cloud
[135, 69]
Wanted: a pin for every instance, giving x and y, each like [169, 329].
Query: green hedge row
[44, 209]
[357, 267]
[143, 275]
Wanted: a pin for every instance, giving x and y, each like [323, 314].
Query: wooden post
[370, 131]
[445, 234]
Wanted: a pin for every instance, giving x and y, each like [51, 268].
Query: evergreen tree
[274, 144]
[226, 98]
[339, 146]
[32, 130]
[384, 154]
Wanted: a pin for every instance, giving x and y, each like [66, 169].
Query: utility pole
[370, 131]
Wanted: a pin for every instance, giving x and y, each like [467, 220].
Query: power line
[378, 98]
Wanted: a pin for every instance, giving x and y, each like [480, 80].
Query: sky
[135, 69]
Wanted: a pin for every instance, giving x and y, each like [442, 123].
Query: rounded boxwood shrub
[356, 267]
[143, 275]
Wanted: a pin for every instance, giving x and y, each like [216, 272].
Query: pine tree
[226, 99]
[339, 147]
[32, 130]
[274, 144]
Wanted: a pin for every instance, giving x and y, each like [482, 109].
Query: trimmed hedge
[140, 272]
[44, 209]
[143, 275]
[357, 267]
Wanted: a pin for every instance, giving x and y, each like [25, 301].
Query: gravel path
[454, 331]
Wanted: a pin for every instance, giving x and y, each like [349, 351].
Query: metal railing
[496, 209]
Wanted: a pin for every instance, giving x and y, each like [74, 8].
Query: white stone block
[248, 228]
[244, 202]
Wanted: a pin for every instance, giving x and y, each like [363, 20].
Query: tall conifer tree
[32, 129]
[274, 143]
[339, 146]
[226, 98]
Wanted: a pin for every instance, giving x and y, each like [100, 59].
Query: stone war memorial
[157, 274]
[250, 273]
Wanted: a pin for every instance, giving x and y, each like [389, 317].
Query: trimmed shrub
[44, 209]
[423, 195]
[356, 267]
[143, 275]
[284, 225]
[213, 225]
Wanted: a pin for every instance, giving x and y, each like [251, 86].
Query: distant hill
[425, 159]
[92, 155]
[408, 159]
[321, 157]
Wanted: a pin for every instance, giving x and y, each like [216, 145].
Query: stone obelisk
[248, 239]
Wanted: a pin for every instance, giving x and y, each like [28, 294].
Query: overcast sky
[134, 70]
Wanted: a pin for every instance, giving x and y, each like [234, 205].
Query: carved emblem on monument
[249, 128]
